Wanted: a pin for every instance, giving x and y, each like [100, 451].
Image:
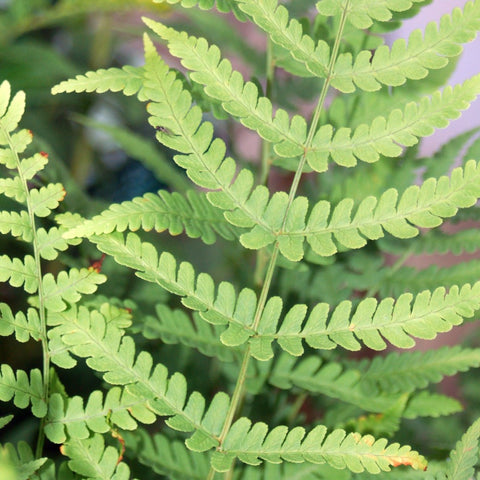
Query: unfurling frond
[174, 212]
[252, 443]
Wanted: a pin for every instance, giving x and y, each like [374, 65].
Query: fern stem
[240, 385]
[41, 295]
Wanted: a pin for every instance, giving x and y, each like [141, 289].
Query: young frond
[363, 13]
[23, 390]
[253, 443]
[401, 372]
[128, 80]
[24, 326]
[69, 418]
[175, 326]
[397, 321]
[92, 460]
[410, 59]
[465, 456]
[418, 206]
[167, 457]
[108, 351]
[174, 212]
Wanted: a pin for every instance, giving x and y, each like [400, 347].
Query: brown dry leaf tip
[30, 133]
[97, 264]
[64, 194]
[62, 449]
[418, 462]
[121, 440]
[44, 154]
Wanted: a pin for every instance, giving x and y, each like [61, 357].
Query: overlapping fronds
[295, 471]
[69, 418]
[167, 457]
[363, 13]
[253, 443]
[92, 460]
[23, 389]
[397, 321]
[24, 326]
[108, 351]
[127, 79]
[175, 326]
[21, 459]
[174, 212]
[405, 372]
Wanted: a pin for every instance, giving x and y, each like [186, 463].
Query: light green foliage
[249, 370]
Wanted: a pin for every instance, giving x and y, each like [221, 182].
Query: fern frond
[175, 326]
[331, 379]
[22, 459]
[174, 212]
[11, 112]
[410, 59]
[17, 272]
[217, 305]
[465, 455]
[386, 135]
[17, 224]
[400, 372]
[108, 351]
[295, 471]
[397, 321]
[288, 33]
[363, 13]
[128, 80]
[69, 286]
[92, 460]
[423, 206]
[68, 418]
[253, 443]
[239, 98]
[46, 199]
[167, 457]
[427, 404]
[24, 326]
[23, 390]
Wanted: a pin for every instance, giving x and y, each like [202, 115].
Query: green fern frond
[410, 59]
[386, 135]
[295, 471]
[400, 372]
[253, 443]
[174, 212]
[223, 6]
[465, 455]
[239, 98]
[11, 112]
[363, 13]
[108, 351]
[24, 326]
[175, 326]
[22, 461]
[17, 224]
[217, 305]
[92, 460]
[51, 242]
[19, 273]
[398, 321]
[23, 390]
[167, 457]
[128, 80]
[423, 206]
[69, 418]
[427, 404]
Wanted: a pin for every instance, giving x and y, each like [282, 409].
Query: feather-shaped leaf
[46, 199]
[23, 390]
[163, 211]
[92, 460]
[253, 443]
[69, 418]
[108, 351]
[22, 459]
[17, 224]
[19, 273]
[24, 326]
[223, 6]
